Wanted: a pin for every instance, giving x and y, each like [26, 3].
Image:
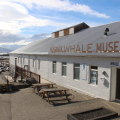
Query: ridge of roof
[70, 27]
[104, 24]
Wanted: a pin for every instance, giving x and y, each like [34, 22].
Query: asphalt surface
[5, 100]
[27, 105]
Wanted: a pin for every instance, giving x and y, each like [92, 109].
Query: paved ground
[27, 105]
[5, 101]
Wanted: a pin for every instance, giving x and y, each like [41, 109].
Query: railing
[26, 73]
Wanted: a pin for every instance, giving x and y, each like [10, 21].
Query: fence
[26, 73]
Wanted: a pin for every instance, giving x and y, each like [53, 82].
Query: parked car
[0, 70]
[7, 68]
[3, 69]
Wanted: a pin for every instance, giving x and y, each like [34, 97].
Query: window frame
[18, 59]
[74, 71]
[33, 62]
[65, 69]
[96, 70]
[23, 60]
[54, 71]
[39, 61]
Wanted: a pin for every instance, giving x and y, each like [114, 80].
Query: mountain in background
[4, 50]
[9, 48]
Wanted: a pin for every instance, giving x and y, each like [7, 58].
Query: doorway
[118, 85]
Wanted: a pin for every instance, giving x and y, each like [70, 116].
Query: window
[54, 66]
[18, 59]
[33, 63]
[38, 64]
[64, 69]
[76, 71]
[94, 75]
[23, 61]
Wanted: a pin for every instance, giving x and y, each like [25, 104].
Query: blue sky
[24, 21]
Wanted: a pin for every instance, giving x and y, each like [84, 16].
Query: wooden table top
[53, 89]
[42, 84]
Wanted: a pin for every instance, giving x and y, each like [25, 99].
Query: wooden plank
[58, 95]
[56, 34]
[52, 89]
[42, 84]
[66, 32]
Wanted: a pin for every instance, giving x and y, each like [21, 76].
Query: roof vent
[106, 30]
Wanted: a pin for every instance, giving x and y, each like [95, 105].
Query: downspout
[15, 68]
[110, 84]
[21, 67]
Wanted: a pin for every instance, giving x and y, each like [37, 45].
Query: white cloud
[17, 39]
[61, 5]
[14, 17]
[21, 42]
[12, 11]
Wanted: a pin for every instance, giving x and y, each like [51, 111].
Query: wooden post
[21, 74]
[39, 78]
[30, 74]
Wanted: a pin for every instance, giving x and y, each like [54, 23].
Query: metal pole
[15, 68]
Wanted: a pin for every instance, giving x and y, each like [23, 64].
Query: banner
[83, 71]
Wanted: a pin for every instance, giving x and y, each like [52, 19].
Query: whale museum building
[82, 58]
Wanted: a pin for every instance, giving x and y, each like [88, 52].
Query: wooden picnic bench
[42, 85]
[47, 93]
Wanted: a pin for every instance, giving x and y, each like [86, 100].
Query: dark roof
[71, 27]
[87, 36]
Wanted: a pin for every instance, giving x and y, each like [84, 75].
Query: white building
[79, 58]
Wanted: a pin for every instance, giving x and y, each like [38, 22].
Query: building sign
[100, 47]
[115, 63]
[83, 68]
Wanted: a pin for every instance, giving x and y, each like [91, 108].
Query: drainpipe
[21, 67]
[110, 91]
[15, 68]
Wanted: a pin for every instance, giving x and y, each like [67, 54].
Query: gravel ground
[27, 105]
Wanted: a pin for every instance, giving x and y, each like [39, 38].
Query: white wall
[53, 35]
[71, 31]
[101, 90]
[61, 33]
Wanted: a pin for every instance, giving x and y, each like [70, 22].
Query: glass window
[33, 63]
[94, 75]
[64, 69]
[23, 61]
[54, 66]
[19, 60]
[38, 64]
[77, 71]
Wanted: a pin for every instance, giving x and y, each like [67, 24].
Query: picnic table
[61, 92]
[42, 84]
